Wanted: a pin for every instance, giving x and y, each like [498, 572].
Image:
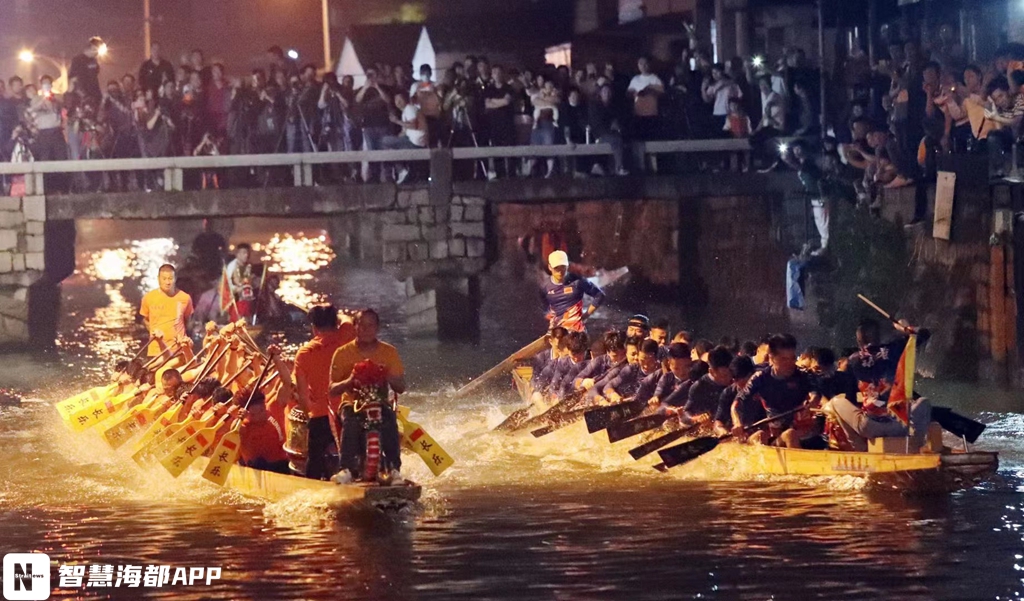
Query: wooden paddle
[688, 451]
[600, 418]
[571, 401]
[505, 366]
[628, 429]
[653, 445]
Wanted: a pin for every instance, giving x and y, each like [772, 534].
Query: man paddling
[565, 292]
[365, 347]
[166, 309]
[628, 382]
[705, 393]
[312, 381]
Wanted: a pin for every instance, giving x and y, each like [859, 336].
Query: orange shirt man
[313, 380]
[166, 310]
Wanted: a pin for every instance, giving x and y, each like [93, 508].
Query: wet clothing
[565, 301]
[703, 396]
[775, 395]
[627, 381]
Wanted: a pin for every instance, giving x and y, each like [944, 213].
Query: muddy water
[565, 517]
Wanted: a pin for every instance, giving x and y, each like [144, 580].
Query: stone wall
[423, 239]
[22, 262]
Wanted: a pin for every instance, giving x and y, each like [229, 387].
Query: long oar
[137, 354]
[666, 439]
[882, 311]
[567, 403]
[633, 427]
[429, 450]
[688, 451]
[505, 366]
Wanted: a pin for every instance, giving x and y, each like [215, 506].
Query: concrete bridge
[441, 234]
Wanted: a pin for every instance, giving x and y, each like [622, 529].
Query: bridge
[441, 233]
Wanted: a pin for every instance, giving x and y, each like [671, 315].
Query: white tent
[349, 64]
[424, 55]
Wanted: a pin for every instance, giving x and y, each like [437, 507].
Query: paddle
[600, 418]
[429, 450]
[653, 445]
[571, 401]
[633, 427]
[526, 352]
[515, 420]
[226, 453]
[688, 451]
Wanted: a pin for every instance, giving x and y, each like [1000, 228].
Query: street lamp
[61, 84]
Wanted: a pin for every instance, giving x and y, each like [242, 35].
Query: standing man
[313, 380]
[366, 346]
[86, 69]
[155, 71]
[166, 309]
[564, 294]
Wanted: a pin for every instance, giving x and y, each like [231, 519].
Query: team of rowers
[730, 385]
[321, 383]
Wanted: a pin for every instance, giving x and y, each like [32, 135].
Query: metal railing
[302, 163]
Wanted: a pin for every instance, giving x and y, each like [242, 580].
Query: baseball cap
[558, 259]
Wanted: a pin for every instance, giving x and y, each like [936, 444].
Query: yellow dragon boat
[943, 470]
[271, 486]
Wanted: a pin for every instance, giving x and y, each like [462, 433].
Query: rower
[875, 367]
[556, 339]
[629, 380]
[312, 381]
[366, 346]
[677, 375]
[780, 388]
[748, 349]
[615, 353]
[556, 379]
[700, 349]
[262, 438]
[741, 369]
[564, 294]
[659, 333]
[629, 357]
[705, 393]
[165, 309]
[639, 326]
[829, 381]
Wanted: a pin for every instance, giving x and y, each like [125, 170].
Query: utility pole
[325, 9]
[147, 34]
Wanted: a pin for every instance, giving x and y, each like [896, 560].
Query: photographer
[44, 116]
[336, 123]
[375, 107]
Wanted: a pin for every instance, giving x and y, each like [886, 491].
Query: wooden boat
[274, 487]
[914, 472]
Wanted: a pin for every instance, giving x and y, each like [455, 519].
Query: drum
[296, 443]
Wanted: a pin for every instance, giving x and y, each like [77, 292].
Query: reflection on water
[299, 253]
[562, 517]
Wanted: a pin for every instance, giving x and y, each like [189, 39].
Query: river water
[564, 517]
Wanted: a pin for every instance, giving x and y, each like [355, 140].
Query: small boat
[273, 487]
[911, 473]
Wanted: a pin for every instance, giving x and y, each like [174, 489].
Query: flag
[227, 298]
[903, 389]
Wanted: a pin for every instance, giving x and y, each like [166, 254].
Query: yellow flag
[436, 458]
[223, 457]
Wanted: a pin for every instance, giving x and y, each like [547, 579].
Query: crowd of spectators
[886, 122]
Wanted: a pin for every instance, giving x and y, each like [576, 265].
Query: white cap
[558, 259]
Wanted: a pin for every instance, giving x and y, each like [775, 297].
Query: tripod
[461, 116]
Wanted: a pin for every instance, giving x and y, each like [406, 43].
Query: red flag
[227, 298]
[903, 389]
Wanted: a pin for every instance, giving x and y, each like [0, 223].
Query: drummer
[564, 294]
[312, 381]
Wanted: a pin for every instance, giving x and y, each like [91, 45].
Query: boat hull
[272, 486]
[913, 473]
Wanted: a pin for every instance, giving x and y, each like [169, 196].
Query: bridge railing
[302, 164]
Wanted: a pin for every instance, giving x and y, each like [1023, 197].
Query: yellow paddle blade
[224, 456]
[436, 458]
[131, 424]
[82, 400]
[184, 454]
[166, 420]
[174, 437]
[96, 413]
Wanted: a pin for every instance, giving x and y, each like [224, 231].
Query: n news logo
[26, 576]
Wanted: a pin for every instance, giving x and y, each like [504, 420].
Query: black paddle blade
[958, 425]
[514, 420]
[600, 418]
[624, 430]
[688, 451]
[653, 445]
[559, 422]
